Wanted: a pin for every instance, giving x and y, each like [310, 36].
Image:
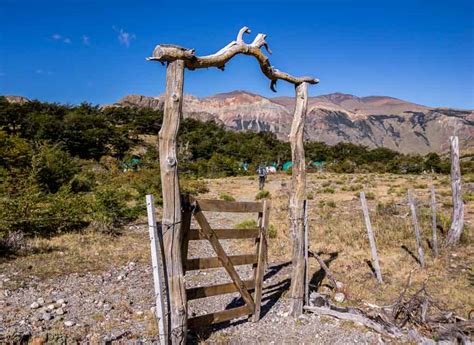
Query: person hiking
[262, 174]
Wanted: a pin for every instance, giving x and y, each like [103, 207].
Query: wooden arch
[177, 59]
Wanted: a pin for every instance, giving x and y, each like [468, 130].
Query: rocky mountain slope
[375, 121]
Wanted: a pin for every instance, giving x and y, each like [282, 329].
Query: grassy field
[337, 233]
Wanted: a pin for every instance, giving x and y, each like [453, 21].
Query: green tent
[287, 165]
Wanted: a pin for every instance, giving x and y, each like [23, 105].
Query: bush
[52, 167]
[263, 194]
[226, 197]
[247, 224]
[110, 211]
[272, 231]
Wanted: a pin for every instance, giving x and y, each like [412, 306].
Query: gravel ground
[117, 306]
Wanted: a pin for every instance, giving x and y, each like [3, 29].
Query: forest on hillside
[65, 168]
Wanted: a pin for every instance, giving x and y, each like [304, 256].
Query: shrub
[110, 210]
[331, 203]
[272, 231]
[52, 167]
[247, 224]
[370, 196]
[387, 209]
[310, 196]
[263, 194]
[226, 197]
[329, 190]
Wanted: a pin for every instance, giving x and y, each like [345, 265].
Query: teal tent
[287, 165]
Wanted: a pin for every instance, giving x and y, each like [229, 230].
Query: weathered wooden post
[297, 196]
[457, 221]
[158, 266]
[434, 242]
[306, 249]
[419, 248]
[370, 233]
[171, 222]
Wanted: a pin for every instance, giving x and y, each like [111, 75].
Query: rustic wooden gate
[193, 207]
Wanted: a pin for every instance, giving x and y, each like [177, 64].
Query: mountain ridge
[373, 121]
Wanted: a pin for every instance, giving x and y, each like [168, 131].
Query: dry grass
[336, 227]
[77, 253]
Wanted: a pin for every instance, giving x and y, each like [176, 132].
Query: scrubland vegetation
[66, 168]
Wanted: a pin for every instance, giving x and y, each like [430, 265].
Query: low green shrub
[263, 194]
[226, 197]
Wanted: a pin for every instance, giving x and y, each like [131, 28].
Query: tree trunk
[298, 191]
[171, 223]
[419, 248]
[457, 221]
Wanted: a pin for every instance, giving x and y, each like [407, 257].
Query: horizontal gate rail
[214, 290]
[229, 206]
[218, 317]
[225, 234]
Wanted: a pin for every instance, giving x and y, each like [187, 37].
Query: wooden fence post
[419, 248]
[158, 265]
[172, 227]
[370, 233]
[457, 221]
[434, 242]
[298, 194]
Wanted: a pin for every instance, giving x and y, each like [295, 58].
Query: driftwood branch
[169, 53]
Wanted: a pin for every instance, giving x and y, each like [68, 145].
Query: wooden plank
[370, 234]
[229, 206]
[217, 317]
[158, 270]
[262, 254]
[186, 225]
[419, 247]
[225, 234]
[306, 248]
[213, 262]
[223, 258]
[214, 290]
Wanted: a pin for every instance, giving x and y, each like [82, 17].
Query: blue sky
[71, 51]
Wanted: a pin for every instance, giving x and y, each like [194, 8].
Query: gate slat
[224, 259]
[217, 317]
[229, 206]
[213, 262]
[225, 234]
[214, 290]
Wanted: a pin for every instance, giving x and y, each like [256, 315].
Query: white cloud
[86, 40]
[43, 72]
[59, 37]
[124, 37]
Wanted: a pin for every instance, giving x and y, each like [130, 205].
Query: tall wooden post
[457, 221]
[298, 194]
[370, 234]
[171, 224]
[419, 247]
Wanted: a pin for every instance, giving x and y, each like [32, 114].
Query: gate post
[298, 194]
[171, 224]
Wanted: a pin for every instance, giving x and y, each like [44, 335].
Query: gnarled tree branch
[169, 53]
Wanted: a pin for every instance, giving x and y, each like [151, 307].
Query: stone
[69, 323]
[51, 306]
[34, 305]
[61, 301]
[46, 316]
[60, 311]
[339, 297]
[339, 285]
